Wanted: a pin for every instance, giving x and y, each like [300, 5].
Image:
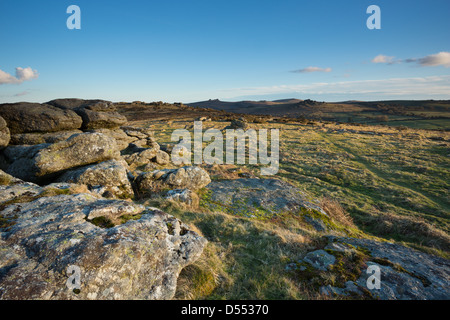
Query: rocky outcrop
[4, 133]
[405, 274]
[141, 156]
[192, 178]
[44, 240]
[106, 178]
[238, 124]
[26, 117]
[95, 113]
[143, 137]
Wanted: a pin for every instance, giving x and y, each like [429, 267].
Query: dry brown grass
[415, 228]
[336, 212]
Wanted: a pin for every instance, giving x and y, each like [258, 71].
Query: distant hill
[432, 114]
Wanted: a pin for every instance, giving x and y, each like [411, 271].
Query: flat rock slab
[38, 138]
[111, 175]
[76, 151]
[405, 273]
[256, 197]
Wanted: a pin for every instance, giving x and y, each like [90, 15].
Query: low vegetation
[373, 181]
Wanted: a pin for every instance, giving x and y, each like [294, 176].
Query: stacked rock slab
[95, 113]
[37, 163]
[26, 117]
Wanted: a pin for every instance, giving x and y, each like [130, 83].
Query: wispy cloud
[433, 60]
[22, 74]
[20, 94]
[395, 87]
[312, 69]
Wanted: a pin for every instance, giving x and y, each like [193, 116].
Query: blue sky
[192, 50]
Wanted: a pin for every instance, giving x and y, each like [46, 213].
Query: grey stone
[189, 177]
[4, 133]
[162, 158]
[100, 119]
[320, 259]
[186, 196]
[405, 273]
[238, 124]
[142, 157]
[122, 139]
[73, 104]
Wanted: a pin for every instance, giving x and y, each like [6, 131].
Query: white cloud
[6, 78]
[382, 59]
[438, 59]
[313, 69]
[22, 74]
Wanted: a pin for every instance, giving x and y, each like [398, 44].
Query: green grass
[405, 176]
[394, 185]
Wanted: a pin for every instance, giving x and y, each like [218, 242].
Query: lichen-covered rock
[192, 178]
[4, 133]
[40, 162]
[78, 150]
[45, 239]
[122, 139]
[111, 174]
[162, 157]
[405, 273]
[137, 132]
[26, 117]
